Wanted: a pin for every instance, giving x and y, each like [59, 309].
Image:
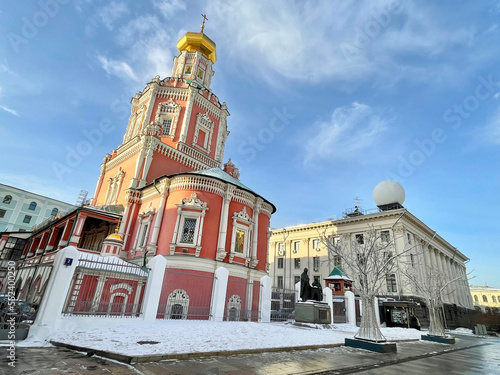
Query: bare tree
[370, 259]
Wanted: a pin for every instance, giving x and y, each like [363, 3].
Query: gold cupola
[198, 42]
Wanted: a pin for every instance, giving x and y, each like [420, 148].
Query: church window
[280, 262]
[7, 199]
[54, 212]
[2, 213]
[188, 70]
[296, 262]
[200, 74]
[203, 132]
[188, 230]
[144, 233]
[485, 299]
[167, 125]
[27, 219]
[242, 227]
[476, 298]
[316, 263]
[32, 206]
[114, 187]
[360, 239]
[391, 283]
[189, 225]
[240, 241]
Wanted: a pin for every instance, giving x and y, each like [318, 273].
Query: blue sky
[327, 98]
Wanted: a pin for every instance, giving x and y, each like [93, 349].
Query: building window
[2, 213]
[188, 230]
[475, 298]
[32, 206]
[316, 263]
[27, 219]
[499, 298]
[337, 260]
[200, 74]
[485, 299]
[296, 262]
[14, 248]
[493, 299]
[54, 212]
[280, 262]
[7, 199]
[296, 246]
[384, 236]
[409, 238]
[280, 281]
[240, 241]
[167, 125]
[360, 239]
[296, 279]
[316, 244]
[188, 70]
[281, 249]
[412, 261]
[391, 283]
[144, 236]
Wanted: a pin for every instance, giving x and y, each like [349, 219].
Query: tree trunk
[369, 328]
[435, 324]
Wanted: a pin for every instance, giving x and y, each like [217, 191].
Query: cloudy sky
[327, 98]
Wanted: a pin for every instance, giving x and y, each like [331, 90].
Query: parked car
[21, 311]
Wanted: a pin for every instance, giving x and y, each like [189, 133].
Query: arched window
[485, 299]
[7, 199]
[494, 299]
[475, 298]
[32, 206]
[54, 212]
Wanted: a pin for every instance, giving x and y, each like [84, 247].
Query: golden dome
[115, 237]
[198, 42]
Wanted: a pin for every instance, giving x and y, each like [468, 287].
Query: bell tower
[177, 124]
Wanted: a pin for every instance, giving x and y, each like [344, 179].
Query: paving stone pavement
[477, 356]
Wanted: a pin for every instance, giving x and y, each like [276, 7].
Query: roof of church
[337, 273]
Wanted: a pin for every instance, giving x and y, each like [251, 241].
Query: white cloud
[10, 110]
[169, 7]
[118, 68]
[111, 13]
[349, 131]
[345, 41]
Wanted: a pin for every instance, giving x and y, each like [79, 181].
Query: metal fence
[186, 295]
[242, 300]
[106, 287]
[282, 305]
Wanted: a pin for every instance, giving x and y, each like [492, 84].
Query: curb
[219, 353]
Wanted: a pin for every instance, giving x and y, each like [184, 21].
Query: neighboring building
[20, 210]
[292, 249]
[485, 296]
[167, 185]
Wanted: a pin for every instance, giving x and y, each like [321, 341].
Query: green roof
[338, 273]
[221, 175]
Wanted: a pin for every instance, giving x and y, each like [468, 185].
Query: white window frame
[296, 246]
[243, 222]
[168, 111]
[203, 123]
[316, 244]
[192, 208]
[145, 220]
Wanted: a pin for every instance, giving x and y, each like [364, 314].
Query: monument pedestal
[312, 312]
[442, 340]
[379, 347]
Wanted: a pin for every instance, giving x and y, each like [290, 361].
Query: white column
[219, 294]
[51, 306]
[154, 286]
[351, 308]
[265, 299]
[226, 200]
[328, 298]
[159, 218]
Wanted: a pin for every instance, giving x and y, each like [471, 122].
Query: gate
[31, 280]
[339, 309]
[186, 295]
[106, 287]
[282, 305]
[242, 300]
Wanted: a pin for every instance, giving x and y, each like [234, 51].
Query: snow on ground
[190, 336]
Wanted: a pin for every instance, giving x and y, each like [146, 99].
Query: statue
[316, 291]
[305, 288]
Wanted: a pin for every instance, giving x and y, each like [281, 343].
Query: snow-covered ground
[127, 336]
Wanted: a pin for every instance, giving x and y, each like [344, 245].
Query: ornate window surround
[242, 222]
[145, 220]
[114, 187]
[206, 125]
[177, 297]
[234, 302]
[189, 208]
[168, 111]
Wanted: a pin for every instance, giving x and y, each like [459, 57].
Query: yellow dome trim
[198, 42]
[114, 236]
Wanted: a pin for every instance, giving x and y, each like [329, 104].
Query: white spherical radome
[388, 192]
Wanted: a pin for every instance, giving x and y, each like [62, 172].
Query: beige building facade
[485, 296]
[292, 249]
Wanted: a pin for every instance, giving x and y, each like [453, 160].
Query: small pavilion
[338, 281]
